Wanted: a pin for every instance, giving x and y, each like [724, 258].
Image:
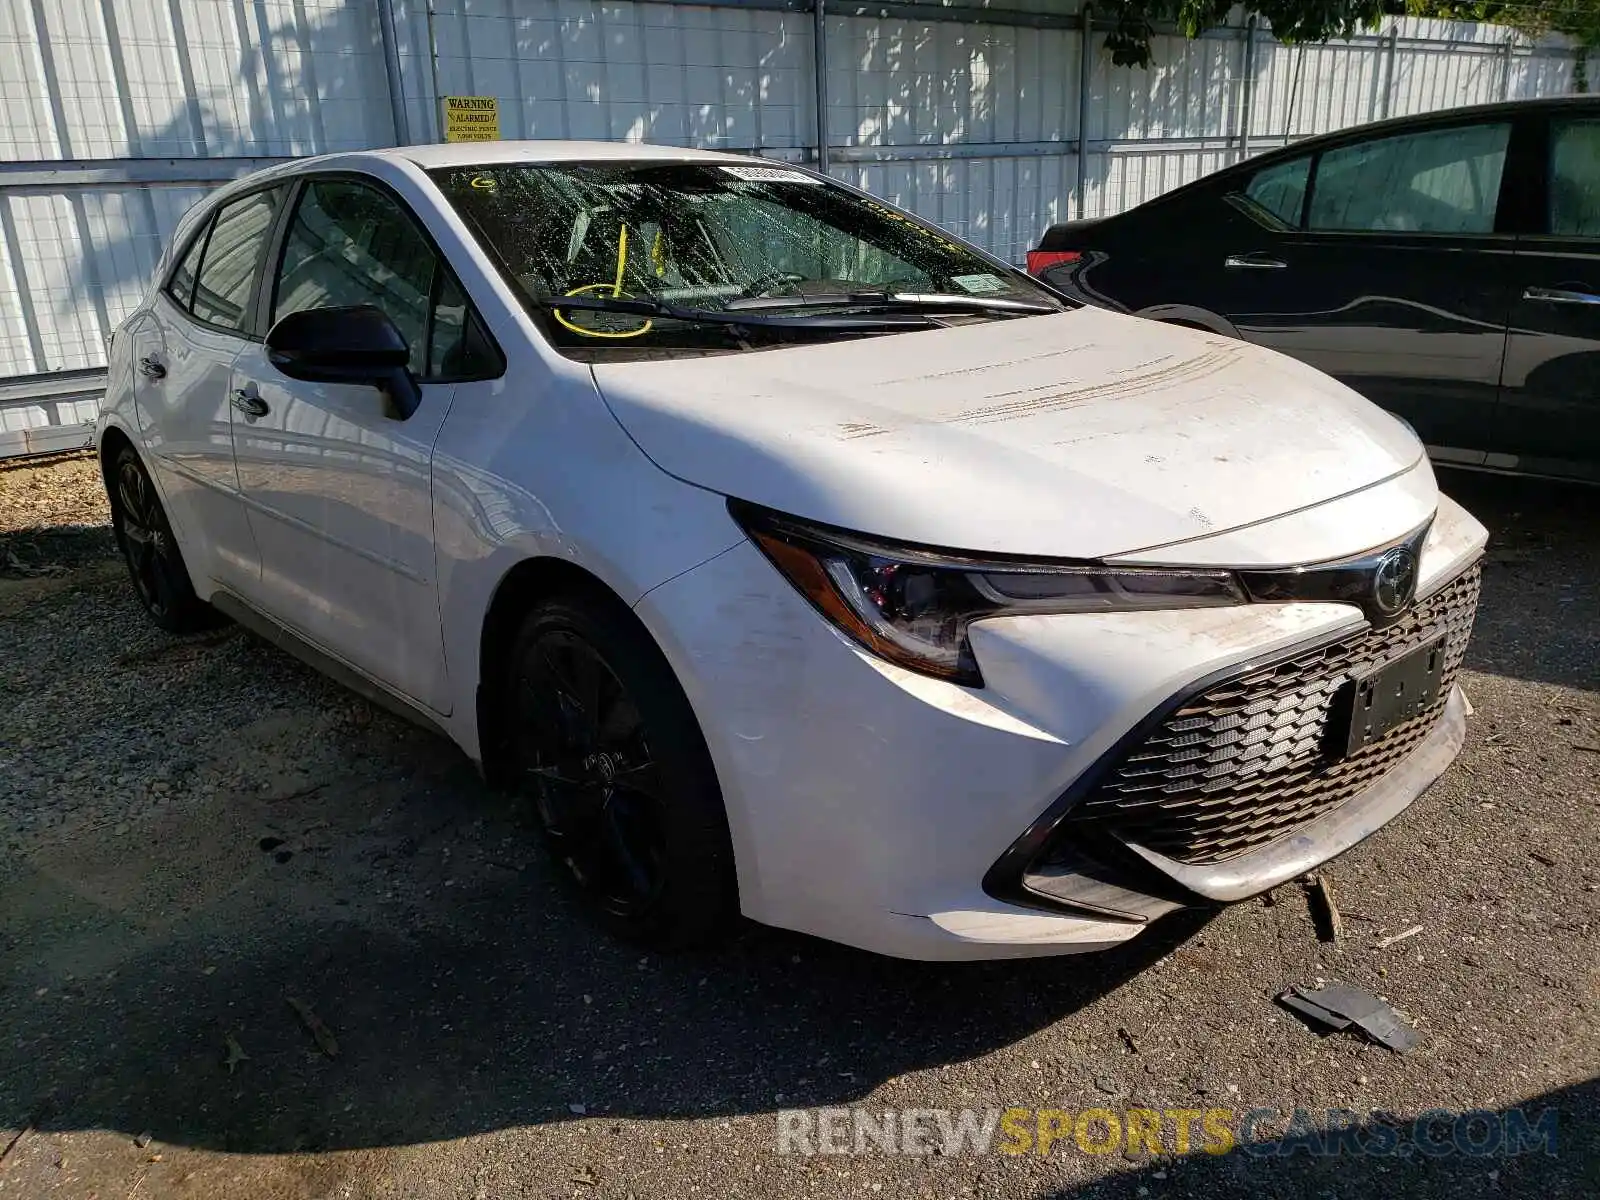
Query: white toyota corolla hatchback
[795, 558]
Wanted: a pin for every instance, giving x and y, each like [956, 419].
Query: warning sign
[471, 119]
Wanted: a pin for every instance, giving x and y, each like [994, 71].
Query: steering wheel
[763, 283]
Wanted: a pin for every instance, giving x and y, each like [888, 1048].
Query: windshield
[712, 238]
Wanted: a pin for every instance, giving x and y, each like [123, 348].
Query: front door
[1398, 284]
[337, 486]
[1550, 403]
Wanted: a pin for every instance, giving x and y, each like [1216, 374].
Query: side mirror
[357, 344]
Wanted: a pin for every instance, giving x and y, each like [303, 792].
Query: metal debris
[236, 1054]
[1324, 912]
[1339, 1007]
[325, 1040]
[1400, 937]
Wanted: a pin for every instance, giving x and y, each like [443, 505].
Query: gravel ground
[196, 831]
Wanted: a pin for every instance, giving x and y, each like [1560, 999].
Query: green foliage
[1579, 19]
[1133, 22]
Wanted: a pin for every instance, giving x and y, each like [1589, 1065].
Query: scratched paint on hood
[1079, 435]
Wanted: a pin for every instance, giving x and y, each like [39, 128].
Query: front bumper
[871, 806]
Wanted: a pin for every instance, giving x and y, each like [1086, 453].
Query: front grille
[1246, 761]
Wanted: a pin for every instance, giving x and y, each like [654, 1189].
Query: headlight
[912, 606]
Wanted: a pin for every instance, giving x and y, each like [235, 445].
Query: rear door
[183, 349]
[337, 486]
[1550, 402]
[1398, 282]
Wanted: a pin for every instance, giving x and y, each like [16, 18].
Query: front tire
[155, 564]
[606, 746]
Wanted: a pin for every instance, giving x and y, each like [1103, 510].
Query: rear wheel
[607, 748]
[148, 546]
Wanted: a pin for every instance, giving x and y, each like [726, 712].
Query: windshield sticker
[769, 175]
[979, 283]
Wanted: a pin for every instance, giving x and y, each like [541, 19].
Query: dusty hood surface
[1080, 435]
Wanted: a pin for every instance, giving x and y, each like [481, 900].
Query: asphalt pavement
[259, 940]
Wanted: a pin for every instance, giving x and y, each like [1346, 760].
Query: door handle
[151, 368]
[1253, 262]
[252, 406]
[1546, 295]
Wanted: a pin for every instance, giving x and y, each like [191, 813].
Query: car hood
[1080, 435]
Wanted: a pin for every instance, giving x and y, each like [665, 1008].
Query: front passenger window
[352, 244]
[1439, 181]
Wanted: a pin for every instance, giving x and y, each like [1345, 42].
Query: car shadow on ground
[487, 1001]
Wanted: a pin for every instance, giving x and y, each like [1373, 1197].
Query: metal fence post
[1505, 67]
[1391, 50]
[1085, 68]
[820, 68]
[1248, 90]
[391, 67]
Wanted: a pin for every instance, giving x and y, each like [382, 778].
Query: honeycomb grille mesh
[1246, 761]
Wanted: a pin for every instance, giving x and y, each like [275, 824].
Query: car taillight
[1040, 260]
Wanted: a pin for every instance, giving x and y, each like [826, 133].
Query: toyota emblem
[1394, 583]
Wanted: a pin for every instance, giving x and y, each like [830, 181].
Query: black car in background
[1446, 266]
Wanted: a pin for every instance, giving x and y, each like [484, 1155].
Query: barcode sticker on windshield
[754, 174]
[978, 283]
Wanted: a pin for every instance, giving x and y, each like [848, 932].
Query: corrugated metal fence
[121, 113]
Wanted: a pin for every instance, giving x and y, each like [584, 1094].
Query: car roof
[1356, 133]
[474, 154]
[1446, 116]
[471, 154]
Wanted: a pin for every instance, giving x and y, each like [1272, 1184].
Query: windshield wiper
[905, 301]
[836, 323]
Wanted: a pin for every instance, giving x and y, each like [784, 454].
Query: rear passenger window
[230, 268]
[1280, 190]
[181, 286]
[1440, 181]
[1575, 178]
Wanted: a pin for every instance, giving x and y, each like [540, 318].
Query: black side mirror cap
[355, 344]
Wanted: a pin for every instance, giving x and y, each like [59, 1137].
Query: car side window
[353, 244]
[1575, 178]
[180, 286]
[1437, 181]
[1280, 190]
[231, 261]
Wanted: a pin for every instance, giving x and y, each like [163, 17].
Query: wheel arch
[523, 586]
[113, 440]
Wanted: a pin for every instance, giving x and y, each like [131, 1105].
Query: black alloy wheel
[155, 564]
[607, 748]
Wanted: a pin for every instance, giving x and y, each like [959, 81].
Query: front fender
[546, 472]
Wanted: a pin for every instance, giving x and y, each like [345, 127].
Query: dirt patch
[42, 493]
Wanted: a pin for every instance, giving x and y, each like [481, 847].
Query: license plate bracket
[1392, 693]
